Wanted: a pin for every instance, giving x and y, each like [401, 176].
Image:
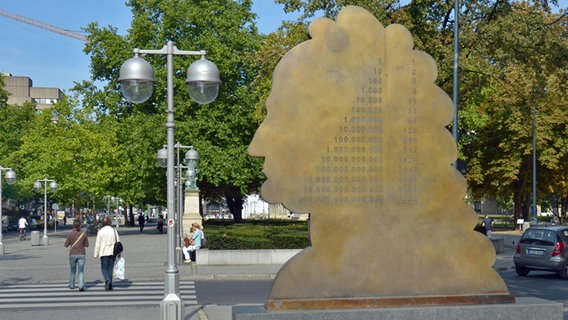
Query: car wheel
[564, 272]
[521, 271]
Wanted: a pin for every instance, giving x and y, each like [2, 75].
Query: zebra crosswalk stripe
[124, 293]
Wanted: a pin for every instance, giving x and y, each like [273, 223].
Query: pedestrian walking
[77, 241]
[160, 226]
[107, 236]
[141, 220]
[487, 223]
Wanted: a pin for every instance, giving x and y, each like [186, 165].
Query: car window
[539, 236]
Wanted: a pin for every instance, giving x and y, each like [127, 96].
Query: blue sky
[53, 60]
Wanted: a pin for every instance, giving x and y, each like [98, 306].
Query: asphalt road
[538, 284]
[232, 292]
[545, 285]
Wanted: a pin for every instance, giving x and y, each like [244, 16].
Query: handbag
[117, 246]
[118, 269]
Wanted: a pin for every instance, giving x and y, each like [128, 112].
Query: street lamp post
[534, 211]
[455, 89]
[191, 158]
[10, 179]
[118, 201]
[137, 79]
[191, 161]
[110, 199]
[37, 186]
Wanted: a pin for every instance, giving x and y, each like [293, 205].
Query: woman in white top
[107, 236]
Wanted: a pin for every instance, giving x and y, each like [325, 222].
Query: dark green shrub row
[501, 226]
[256, 234]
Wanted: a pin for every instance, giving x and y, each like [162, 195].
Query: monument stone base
[522, 309]
[191, 211]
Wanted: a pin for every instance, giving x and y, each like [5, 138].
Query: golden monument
[355, 135]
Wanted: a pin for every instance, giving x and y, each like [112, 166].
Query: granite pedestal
[523, 309]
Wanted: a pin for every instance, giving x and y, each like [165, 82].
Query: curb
[501, 269]
[236, 277]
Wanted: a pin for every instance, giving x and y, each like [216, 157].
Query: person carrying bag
[107, 239]
[77, 254]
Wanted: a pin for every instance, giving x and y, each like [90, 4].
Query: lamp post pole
[136, 79]
[534, 211]
[179, 192]
[455, 89]
[53, 186]
[118, 201]
[179, 196]
[108, 199]
[10, 179]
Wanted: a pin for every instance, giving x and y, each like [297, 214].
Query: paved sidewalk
[504, 260]
[145, 255]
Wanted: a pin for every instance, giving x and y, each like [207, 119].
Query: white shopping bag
[118, 271]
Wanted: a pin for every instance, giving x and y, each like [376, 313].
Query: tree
[81, 155]
[502, 76]
[517, 72]
[219, 131]
[3, 93]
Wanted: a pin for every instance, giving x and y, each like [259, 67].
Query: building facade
[21, 89]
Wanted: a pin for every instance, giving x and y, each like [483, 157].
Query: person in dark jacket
[141, 220]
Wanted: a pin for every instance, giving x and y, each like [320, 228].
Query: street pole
[179, 201]
[172, 302]
[456, 70]
[45, 239]
[136, 79]
[2, 250]
[534, 211]
[179, 197]
[10, 179]
[53, 186]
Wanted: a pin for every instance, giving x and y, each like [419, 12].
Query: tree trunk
[519, 196]
[564, 207]
[235, 202]
[526, 208]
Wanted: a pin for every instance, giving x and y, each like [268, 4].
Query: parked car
[543, 249]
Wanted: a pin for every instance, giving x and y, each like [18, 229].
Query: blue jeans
[107, 265]
[77, 264]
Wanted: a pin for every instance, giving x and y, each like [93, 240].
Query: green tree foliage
[81, 155]
[515, 72]
[220, 131]
[16, 122]
[3, 93]
[512, 57]
[274, 47]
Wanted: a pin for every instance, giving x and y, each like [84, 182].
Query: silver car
[543, 249]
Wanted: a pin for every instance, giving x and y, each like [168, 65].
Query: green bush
[500, 223]
[256, 234]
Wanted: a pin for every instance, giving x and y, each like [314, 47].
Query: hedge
[256, 234]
